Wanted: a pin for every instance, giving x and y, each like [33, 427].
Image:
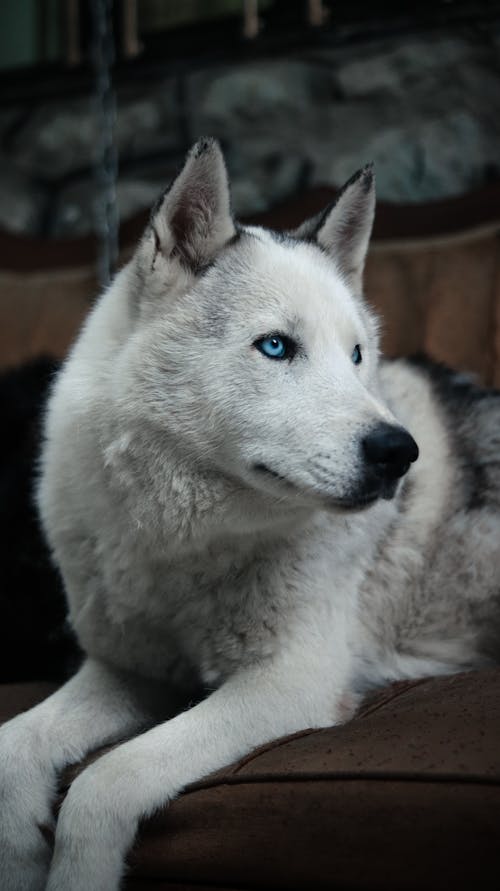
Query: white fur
[182, 560]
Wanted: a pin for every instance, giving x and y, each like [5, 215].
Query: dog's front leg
[95, 707]
[100, 815]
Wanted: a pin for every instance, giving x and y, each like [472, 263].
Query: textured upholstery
[405, 796]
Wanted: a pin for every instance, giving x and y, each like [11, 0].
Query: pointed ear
[192, 219]
[344, 228]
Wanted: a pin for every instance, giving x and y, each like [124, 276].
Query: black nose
[390, 451]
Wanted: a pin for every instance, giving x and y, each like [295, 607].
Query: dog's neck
[187, 512]
[211, 513]
[240, 527]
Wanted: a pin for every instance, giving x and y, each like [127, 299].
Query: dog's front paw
[25, 806]
[93, 835]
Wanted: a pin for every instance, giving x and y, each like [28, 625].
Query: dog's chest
[211, 614]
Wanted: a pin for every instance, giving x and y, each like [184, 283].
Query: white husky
[224, 486]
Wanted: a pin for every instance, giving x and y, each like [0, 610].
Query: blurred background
[299, 93]
[99, 102]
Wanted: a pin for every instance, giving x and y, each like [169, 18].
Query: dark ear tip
[364, 179]
[203, 145]
[367, 176]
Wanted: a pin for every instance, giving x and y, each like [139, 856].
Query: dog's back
[431, 602]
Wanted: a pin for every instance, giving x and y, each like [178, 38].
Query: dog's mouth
[358, 499]
[385, 491]
[263, 468]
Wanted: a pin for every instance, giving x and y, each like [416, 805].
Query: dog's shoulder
[457, 390]
[454, 407]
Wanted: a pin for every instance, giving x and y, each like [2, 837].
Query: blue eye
[356, 356]
[276, 346]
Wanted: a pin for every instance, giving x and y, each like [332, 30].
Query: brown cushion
[405, 796]
[441, 298]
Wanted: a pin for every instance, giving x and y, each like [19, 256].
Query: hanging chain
[106, 157]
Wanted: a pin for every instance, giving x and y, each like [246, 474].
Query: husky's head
[255, 352]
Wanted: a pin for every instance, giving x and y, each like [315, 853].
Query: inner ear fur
[192, 220]
[344, 228]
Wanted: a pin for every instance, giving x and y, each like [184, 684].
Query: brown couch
[406, 795]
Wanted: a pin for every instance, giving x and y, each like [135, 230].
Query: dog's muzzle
[388, 452]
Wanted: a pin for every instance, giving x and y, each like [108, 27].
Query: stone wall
[425, 109]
